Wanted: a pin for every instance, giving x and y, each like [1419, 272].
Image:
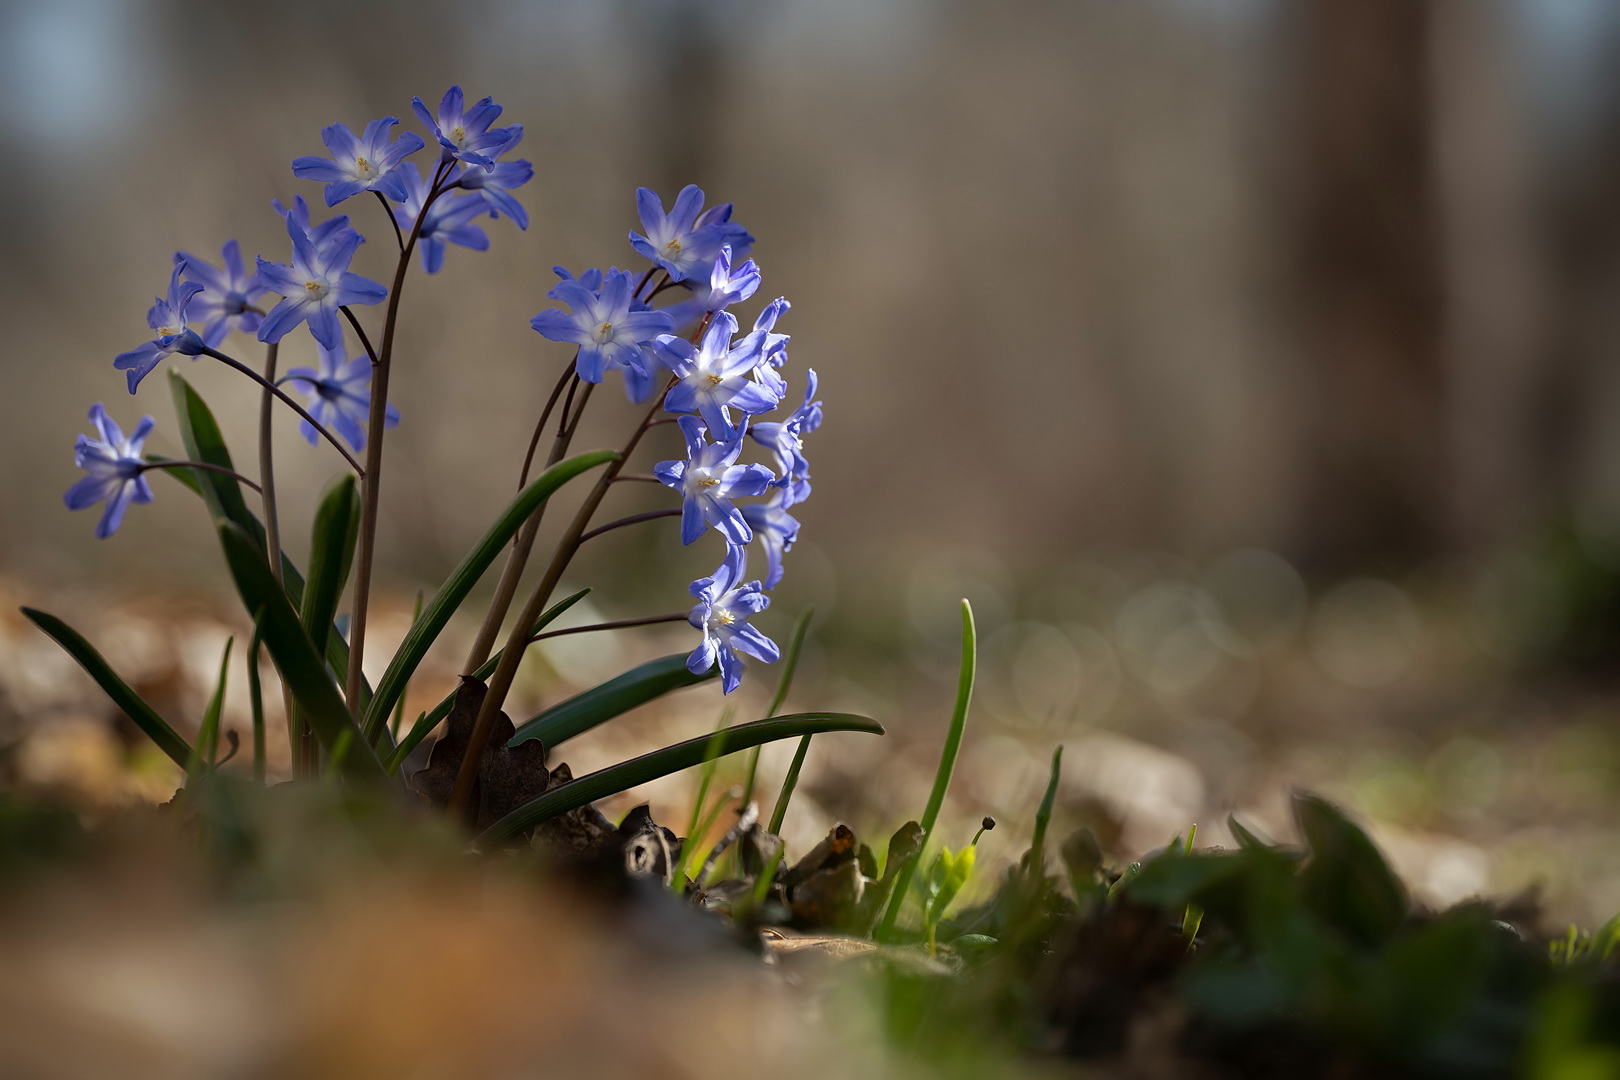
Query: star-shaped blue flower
[447, 221]
[708, 481]
[775, 529]
[339, 396]
[714, 378]
[722, 612]
[611, 329]
[227, 295]
[684, 241]
[785, 440]
[363, 163]
[314, 285]
[167, 317]
[113, 464]
[465, 133]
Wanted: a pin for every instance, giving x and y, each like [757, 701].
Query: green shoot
[256, 702]
[1043, 818]
[790, 663]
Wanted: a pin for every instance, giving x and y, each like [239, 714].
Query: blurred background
[1248, 363]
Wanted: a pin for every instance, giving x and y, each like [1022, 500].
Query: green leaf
[305, 671]
[683, 755]
[207, 749]
[145, 717]
[1346, 881]
[464, 577]
[1173, 880]
[430, 720]
[615, 697]
[223, 495]
[337, 524]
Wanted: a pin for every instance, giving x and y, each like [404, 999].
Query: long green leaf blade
[207, 749]
[337, 522]
[464, 577]
[304, 670]
[200, 433]
[135, 707]
[682, 755]
[430, 720]
[615, 697]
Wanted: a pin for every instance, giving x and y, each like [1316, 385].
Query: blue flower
[714, 378]
[465, 133]
[768, 347]
[339, 396]
[167, 317]
[446, 221]
[684, 242]
[722, 612]
[785, 439]
[226, 300]
[113, 464]
[775, 529]
[315, 285]
[323, 235]
[728, 286]
[611, 329]
[359, 164]
[494, 183]
[708, 482]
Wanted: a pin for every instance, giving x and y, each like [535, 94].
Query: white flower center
[458, 135]
[315, 289]
[168, 331]
[363, 169]
[603, 333]
[723, 617]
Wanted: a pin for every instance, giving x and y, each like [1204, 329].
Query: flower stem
[633, 519]
[272, 388]
[267, 464]
[232, 473]
[361, 331]
[371, 487]
[617, 624]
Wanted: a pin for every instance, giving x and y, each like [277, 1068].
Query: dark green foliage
[615, 697]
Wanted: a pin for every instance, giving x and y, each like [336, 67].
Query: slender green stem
[372, 488]
[790, 664]
[942, 776]
[267, 464]
[256, 702]
[1043, 817]
[633, 519]
[281, 394]
[171, 464]
[518, 559]
[617, 624]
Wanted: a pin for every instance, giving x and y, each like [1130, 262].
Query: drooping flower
[708, 481]
[729, 286]
[227, 295]
[684, 242]
[611, 329]
[113, 464]
[322, 235]
[713, 378]
[775, 529]
[768, 347]
[314, 285]
[167, 317]
[494, 186]
[447, 221]
[785, 440]
[363, 163]
[465, 133]
[722, 612]
[339, 396]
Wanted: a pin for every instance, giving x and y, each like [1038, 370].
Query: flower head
[722, 612]
[708, 481]
[113, 464]
[714, 377]
[363, 163]
[494, 183]
[465, 133]
[167, 318]
[227, 295]
[775, 529]
[323, 235]
[447, 221]
[685, 242]
[785, 439]
[339, 396]
[728, 285]
[611, 329]
[314, 285]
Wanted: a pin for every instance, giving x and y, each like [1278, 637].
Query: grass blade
[790, 664]
[205, 754]
[430, 720]
[135, 707]
[947, 765]
[1043, 817]
[464, 577]
[615, 697]
[256, 702]
[305, 671]
[337, 525]
[683, 755]
[399, 706]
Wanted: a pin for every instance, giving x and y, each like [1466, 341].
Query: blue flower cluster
[717, 381]
[206, 302]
